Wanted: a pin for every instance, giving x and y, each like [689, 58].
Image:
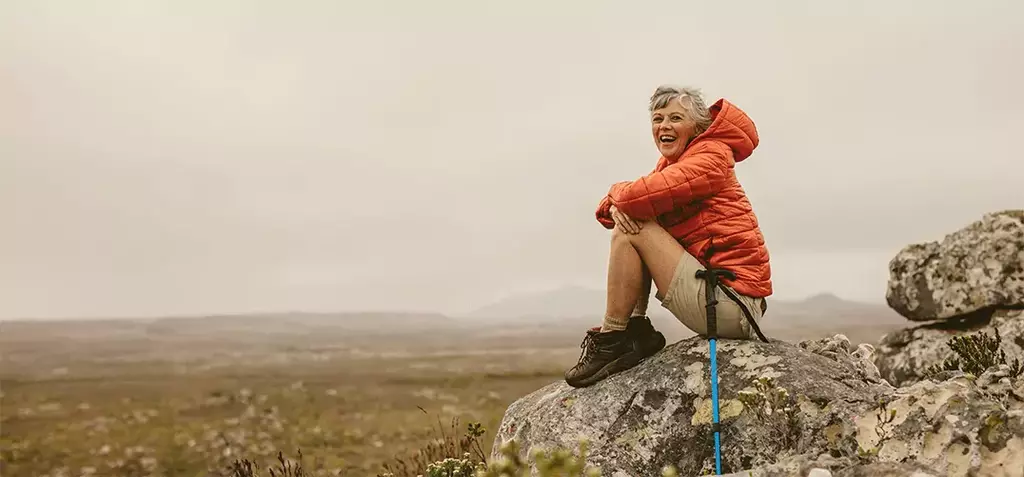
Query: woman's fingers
[635, 224]
[617, 221]
[625, 223]
[631, 226]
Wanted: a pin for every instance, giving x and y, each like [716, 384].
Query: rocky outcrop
[822, 408]
[659, 413]
[972, 281]
[980, 266]
[785, 409]
[961, 426]
[904, 357]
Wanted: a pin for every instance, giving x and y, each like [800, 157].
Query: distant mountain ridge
[564, 302]
[578, 301]
[819, 315]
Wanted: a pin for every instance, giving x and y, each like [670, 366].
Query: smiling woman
[688, 216]
[673, 118]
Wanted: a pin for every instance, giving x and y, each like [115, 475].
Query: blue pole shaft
[714, 408]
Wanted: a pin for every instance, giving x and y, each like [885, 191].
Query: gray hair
[689, 98]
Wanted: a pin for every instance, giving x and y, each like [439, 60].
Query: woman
[689, 214]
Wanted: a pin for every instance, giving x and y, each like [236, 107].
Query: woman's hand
[624, 222]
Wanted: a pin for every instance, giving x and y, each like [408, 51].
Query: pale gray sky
[220, 156]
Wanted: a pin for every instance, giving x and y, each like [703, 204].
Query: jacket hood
[732, 127]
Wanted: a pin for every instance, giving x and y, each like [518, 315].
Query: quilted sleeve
[700, 175]
[604, 214]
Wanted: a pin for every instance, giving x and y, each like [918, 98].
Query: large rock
[659, 413]
[785, 410]
[904, 357]
[977, 267]
[963, 426]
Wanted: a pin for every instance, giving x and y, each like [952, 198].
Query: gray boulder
[903, 357]
[659, 413]
[980, 266]
[785, 409]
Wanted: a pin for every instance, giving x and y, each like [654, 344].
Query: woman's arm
[701, 175]
[604, 213]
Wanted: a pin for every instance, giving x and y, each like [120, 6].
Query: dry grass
[168, 405]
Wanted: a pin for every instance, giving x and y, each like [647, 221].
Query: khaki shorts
[686, 301]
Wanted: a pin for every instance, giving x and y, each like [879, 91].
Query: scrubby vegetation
[189, 404]
[552, 463]
[138, 399]
[975, 353]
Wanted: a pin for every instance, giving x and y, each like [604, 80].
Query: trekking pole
[715, 426]
[710, 277]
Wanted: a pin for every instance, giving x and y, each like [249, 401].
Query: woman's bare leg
[635, 260]
[645, 294]
[652, 248]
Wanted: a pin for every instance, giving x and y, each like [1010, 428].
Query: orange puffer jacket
[698, 199]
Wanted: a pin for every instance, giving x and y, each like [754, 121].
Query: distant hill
[554, 316]
[816, 316]
[261, 324]
[565, 302]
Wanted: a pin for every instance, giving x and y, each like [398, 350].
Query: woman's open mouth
[664, 139]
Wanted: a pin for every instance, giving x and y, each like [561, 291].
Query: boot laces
[589, 346]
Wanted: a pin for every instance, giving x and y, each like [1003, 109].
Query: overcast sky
[167, 157]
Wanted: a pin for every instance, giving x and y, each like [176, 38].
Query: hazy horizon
[162, 158]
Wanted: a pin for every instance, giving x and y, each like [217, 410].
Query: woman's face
[672, 129]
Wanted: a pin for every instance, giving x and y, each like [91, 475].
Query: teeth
[667, 138]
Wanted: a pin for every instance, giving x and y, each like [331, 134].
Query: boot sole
[620, 364]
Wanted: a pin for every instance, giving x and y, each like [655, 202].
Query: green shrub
[556, 462]
[451, 445]
[974, 354]
[451, 467]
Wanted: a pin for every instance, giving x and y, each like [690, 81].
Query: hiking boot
[604, 354]
[647, 341]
